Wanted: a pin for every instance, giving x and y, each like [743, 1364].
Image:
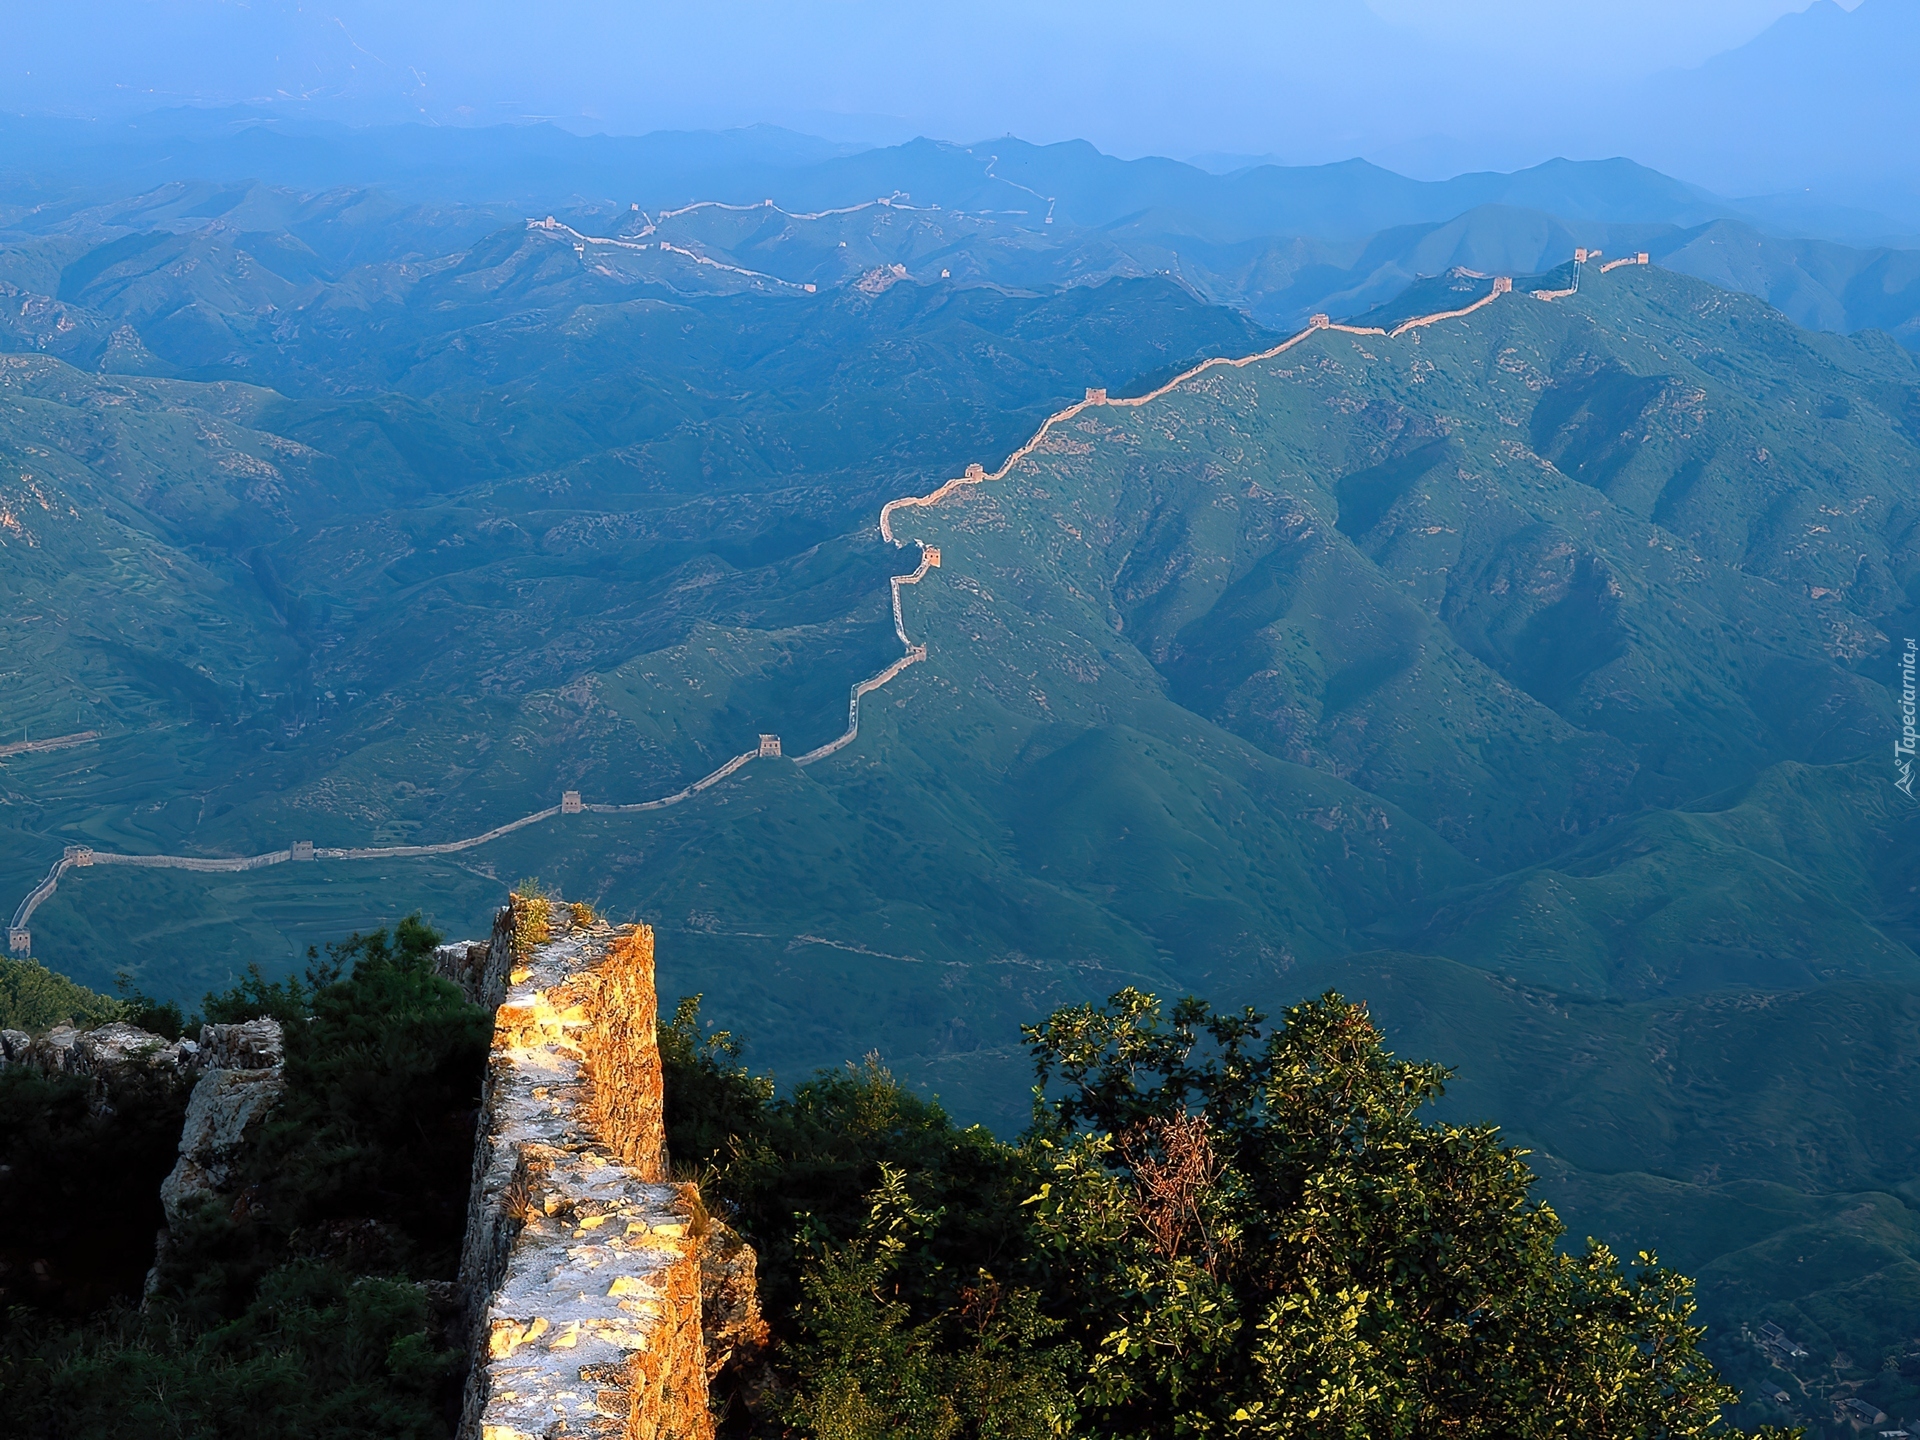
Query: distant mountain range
[1822, 99]
[1525, 675]
[1279, 243]
[539, 167]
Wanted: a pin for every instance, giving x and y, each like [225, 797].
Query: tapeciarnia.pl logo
[1903, 748]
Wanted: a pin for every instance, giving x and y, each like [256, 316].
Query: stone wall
[583, 1264]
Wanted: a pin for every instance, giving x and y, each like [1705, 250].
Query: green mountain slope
[1526, 673]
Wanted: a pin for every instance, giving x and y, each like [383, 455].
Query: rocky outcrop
[735, 1334]
[465, 963]
[583, 1263]
[252, 1045]
[111, 1053]
[224, 1114]
[243, 1076]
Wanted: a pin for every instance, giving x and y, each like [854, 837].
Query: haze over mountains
[1280, 242]
[1717, 94]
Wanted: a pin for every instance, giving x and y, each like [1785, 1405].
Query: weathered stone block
[224, 1117]
[465, 963]
[251, 1045]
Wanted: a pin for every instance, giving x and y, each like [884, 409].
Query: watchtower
[1642, 258]
[570, 802]
[20, 940]
[1319, 322]
[931, 554]
[1580, 256]
[976, 472]
[1503, 284]
[769, 747]
[1096, 394]
[79, 854]
[301, 850]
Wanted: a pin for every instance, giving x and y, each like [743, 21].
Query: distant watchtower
[1642, 258]
[931, 554]
[976, 472]
[1096, 395]
[20, 941]
[570, 802]
[770, 747]
[1319, 322]
[1503, 284]
[302, 850]
[79, 855]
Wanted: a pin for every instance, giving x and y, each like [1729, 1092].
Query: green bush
[1213, 1228]
[318, 1354]
[1256, 1234]
[34, 999]
[711, 1099]
[865, 1368]
[799, 1172]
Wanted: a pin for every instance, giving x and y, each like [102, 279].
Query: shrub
[867, 1369]
[711, 1099]
[1257, 1234]
[1213, 1228]
[34, 999]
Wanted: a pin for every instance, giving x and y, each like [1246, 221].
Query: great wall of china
[19, 935]
[600, 1297]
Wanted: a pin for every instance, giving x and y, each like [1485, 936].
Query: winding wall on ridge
[20, 938]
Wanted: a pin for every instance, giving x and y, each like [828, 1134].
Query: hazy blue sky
[1427, 84]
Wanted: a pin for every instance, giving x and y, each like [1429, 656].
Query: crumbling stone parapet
[113, 1053]
[582, 1264]
[465, 963]
[250, 1045]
